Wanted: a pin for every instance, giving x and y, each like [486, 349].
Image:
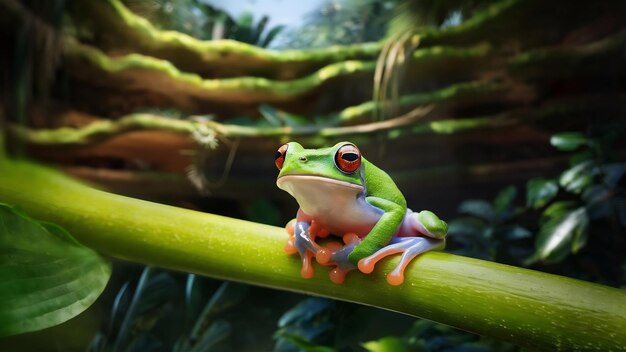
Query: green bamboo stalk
[529, 308]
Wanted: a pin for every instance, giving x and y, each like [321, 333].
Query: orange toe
[290, 247]
[366, 266]
[307, 268]
[395, 279]
[323, 256]
[290, 227]
[350, 237]
[337, 276]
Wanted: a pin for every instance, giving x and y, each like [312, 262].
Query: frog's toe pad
[307, 271]
[412, 247]
[431, 222]
[395, 278]
[338, 275]
[290, 246]
[366, 265]
[324, 254]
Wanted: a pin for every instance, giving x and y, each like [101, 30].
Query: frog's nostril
[303, 158]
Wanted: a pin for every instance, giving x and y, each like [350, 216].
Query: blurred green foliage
[148, 317]
[585, 203]
[203, 21]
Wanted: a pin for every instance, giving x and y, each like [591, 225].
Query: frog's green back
[379, 184]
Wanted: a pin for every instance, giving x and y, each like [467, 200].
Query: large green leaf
[576, 178]
[46, 277]
[540, 191]
[568, 141]
[564, 232]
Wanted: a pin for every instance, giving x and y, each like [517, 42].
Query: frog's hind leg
[410, 247]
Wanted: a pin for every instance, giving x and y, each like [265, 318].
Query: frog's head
[337, 167]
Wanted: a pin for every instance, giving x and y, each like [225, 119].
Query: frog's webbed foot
[302, 240]
[410, 247]
[427, 223]
[334, 254]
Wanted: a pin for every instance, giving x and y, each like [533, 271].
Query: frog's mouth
[288, 181]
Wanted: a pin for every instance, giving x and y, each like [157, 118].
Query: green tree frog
[341, 193]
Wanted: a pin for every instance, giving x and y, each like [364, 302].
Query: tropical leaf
[227, 295]
[154, 289]
[565, 232]
[305, 310]
[597, 200]
[576, 178]
[193, 299]
[144, 342]
[243, 27]
[120, 304]
[557, 209]
[568, 141]
[386, 344]
[540, 191]
[46, 276]
[581, 157]
[271, 35]
[217, 332]
[259, 29]
[307, 322]
[306, 346]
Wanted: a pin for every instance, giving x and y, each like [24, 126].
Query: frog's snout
[303, 159]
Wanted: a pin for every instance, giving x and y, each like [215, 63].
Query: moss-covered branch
[532, 309]
[103, 129]
[210, 58]
[231, 58]
[601, 58]
[151, 76]
[409, 123]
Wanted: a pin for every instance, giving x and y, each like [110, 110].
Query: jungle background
[505, 118]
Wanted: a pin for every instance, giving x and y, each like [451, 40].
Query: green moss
[242, 89]
[547, 62]
[452, 93]
[105, 128]
[126, 29]
[192, 84]
[470, 30]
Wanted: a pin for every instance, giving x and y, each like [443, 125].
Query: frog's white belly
[338, 206]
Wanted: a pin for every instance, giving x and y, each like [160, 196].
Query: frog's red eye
[280, 156]
[348, 158]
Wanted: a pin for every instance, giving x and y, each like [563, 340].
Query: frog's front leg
[427, 232]
[347, 257]
[382, 232]
[303, 230]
